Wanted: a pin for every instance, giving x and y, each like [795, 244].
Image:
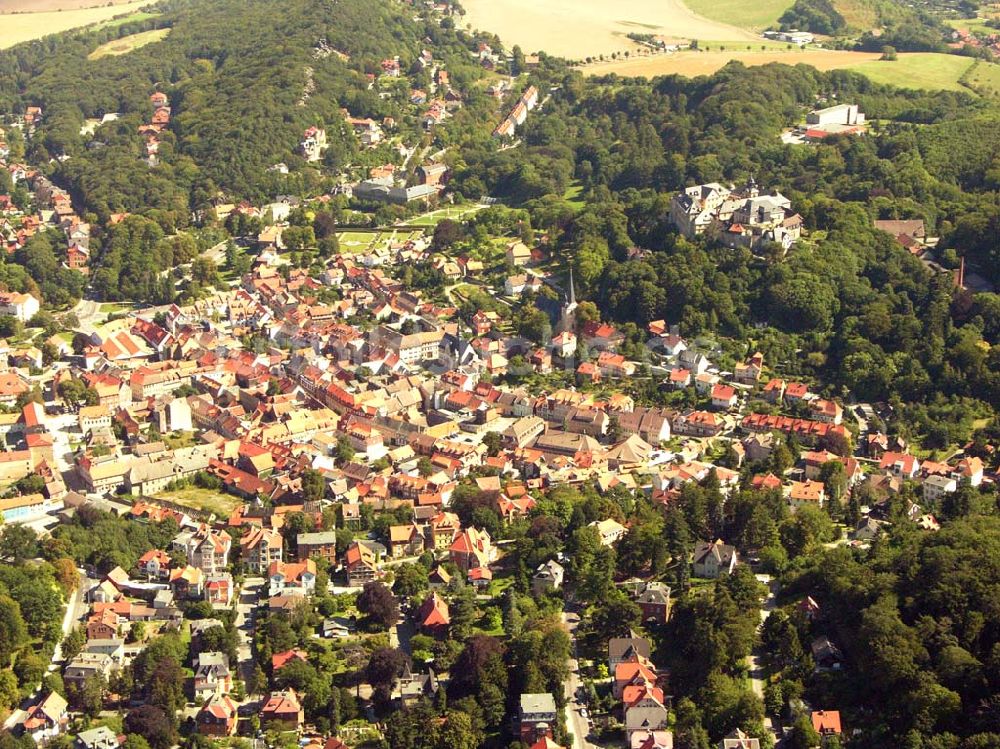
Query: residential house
[713, 559]
[361, 563]
[291, 577]
[101, 737]
[320, 545]
[103, 625]
[826, 723]
[282, 659]
[826, 411]
[627, 649]
[405, 540]
[211, 675]
[217, 717]
[46, 718]
[900, 465]
[739, 740]
[155, 564]
[935, 487]
[548, 576]
[85, 666]
[186, 582]
[21, 306]
[724, 397]
[645, 709]
[632, 673]
[825, 654]
[518, 254]
[282, 711]
[219, 589]
[536, 716]
[433, 616]
[472, 548]
[610, 531]
[259, 547]
[654, 601]
[803, 493]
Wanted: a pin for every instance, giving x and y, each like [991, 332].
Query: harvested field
[577, 29]
[37, 6]
[128, 43]
[23, 27]
[691, 63]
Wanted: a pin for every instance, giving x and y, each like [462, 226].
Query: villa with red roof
[282, 711]
[472, 548]
[217, 717]
[433, 617]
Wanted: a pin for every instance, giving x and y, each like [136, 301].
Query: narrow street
[247, 602]
[755, 661]
[576, 724]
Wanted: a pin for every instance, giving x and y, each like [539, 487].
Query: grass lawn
[205, 500]
[919, 70]
[499, 584]
[984, 78]
[573, 194]
[355, 241]
[756, 16]
[972, 25]
[139, 15]
[128, 43]
[456, 213]
[113, 308]
[179, 440]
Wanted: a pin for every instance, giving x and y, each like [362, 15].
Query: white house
[21, 306]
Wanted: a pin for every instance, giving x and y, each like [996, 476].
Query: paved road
[88, 312]
[575, 722]
[755, 661]
[76, 607]
[249, 594]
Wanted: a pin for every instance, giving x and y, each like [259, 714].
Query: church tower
[567, 320]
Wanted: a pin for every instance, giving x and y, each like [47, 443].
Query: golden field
[22, 27]
[577, 29]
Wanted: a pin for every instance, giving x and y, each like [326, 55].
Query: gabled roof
[434, 612]
[280, 660]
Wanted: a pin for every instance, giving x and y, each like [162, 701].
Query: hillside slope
[241, 95]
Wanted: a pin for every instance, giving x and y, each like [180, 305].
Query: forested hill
[236, 72]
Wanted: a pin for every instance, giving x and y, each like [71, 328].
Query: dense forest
[237, 100]
[864, 313]
[874, 24]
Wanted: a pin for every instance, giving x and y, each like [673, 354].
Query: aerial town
[371, 462]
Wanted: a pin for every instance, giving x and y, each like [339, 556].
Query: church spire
[567, 321]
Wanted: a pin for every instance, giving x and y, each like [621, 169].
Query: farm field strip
[694, 63]
[128, 43]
